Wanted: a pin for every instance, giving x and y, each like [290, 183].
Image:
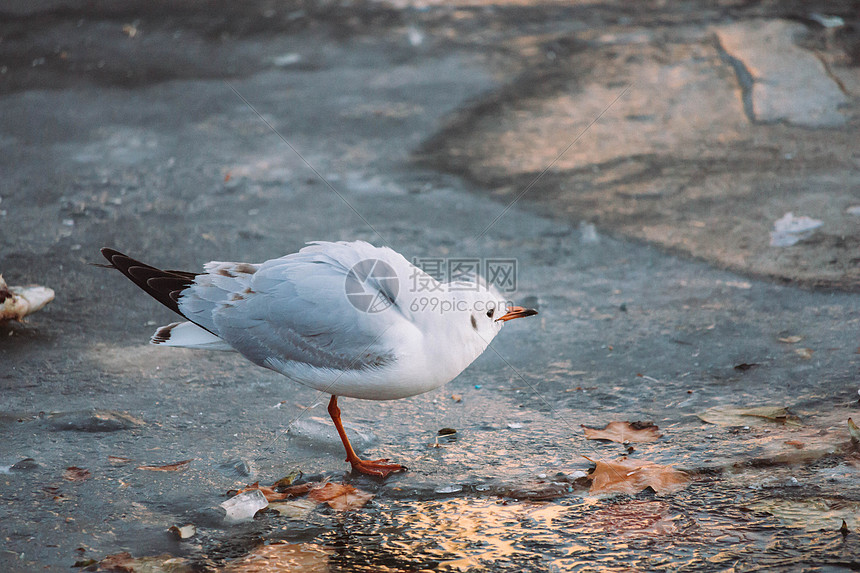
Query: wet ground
[199, 134]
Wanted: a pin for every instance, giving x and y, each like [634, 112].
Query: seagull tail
[188, 335]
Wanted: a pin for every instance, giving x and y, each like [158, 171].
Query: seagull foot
[377, 468]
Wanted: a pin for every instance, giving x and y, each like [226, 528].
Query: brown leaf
[623, 432]
[632, 476]
[853, 431]
[273, 495]
[118, 460]
[285, 557]
[125, 563]
[76, 474]
[288, 479]
[341, 497]
[728, 416]
[296, 509]
[796, 443]
[174, 467]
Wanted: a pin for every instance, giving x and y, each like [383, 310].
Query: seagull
[346, 318]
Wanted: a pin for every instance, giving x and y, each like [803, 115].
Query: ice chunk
[243, 506]
[588, 233]
[790, 229]
[449, 489]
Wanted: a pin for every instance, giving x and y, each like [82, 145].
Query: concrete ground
[186, 134]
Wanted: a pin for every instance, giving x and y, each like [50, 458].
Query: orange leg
[372, 468]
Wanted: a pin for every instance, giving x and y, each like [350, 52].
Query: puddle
[716, 523]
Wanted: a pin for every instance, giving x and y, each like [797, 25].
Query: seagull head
[478, 311]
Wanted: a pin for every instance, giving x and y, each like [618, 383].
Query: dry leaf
[340, 497]
[457, 397]
[791, 339]
[273, 495]
[283, 557]
[728, 416]
[796, 443]
[125, 563]
[296, 509]
[118, 460]
[854, 431]
[632, 476]
[805, 353]
[76, 474]
[174, 467]
[288, 479]
[623, 432]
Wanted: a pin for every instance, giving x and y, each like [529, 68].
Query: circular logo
[371, 285]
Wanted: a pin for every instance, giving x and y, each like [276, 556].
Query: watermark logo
[443, 274]
[372, 285]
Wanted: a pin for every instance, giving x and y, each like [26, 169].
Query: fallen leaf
[76, 474]
[340, 497]
[288, 479]
[796, 443]
[632, 476]
[728, 416]
[283, 557]
[296, 509]
[853, 431]
[623, 432]
[457, 397]
[174, 467]
[791, 339]
[805, 353]
[274, 495]
[118, 460]
[125, 563]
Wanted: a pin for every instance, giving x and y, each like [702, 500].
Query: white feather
[188, 335]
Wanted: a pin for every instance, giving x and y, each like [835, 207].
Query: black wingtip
[109, 254]
[158, 283]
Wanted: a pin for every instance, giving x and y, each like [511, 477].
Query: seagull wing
[303, 309]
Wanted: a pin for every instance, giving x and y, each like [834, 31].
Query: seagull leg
[372, 468]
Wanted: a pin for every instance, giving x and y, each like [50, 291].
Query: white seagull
[347, 318]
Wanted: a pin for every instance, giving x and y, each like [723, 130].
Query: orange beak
[517, 312]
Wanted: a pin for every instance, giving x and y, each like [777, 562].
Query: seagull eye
[491, 312]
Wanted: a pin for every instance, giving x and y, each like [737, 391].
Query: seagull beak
[517, 312]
